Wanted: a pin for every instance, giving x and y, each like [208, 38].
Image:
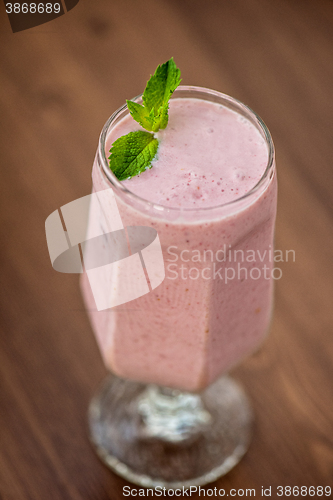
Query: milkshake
[211, 197]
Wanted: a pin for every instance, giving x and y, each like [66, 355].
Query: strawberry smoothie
[211, 196]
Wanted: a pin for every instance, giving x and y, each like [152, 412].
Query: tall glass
[169, 415]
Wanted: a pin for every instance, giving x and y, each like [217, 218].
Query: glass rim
[103, 161]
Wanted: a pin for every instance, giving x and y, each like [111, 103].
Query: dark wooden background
[59, 83]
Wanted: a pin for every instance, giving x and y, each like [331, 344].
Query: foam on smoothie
[208, 155]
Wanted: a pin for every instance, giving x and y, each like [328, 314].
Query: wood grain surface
[59, 83]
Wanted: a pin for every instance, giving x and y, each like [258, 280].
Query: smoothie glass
[169, 415]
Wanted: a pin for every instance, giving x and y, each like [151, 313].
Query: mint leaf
[141, 115]
[158, 91]
[153, 115]
[132, 154]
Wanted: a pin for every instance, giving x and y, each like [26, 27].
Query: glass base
[155, 436]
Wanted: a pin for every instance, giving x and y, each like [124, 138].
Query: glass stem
[171, 415]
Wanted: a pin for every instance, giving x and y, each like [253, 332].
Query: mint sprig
[133, 153]
[153, 115]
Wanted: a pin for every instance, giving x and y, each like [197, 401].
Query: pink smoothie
[214, 305]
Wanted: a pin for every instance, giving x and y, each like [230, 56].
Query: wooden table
[59, 83]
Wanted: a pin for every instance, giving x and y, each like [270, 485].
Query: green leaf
[153, 115]
[141, 115]
[158, 91]
[132, 154]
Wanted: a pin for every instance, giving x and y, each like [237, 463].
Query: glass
[169, 415]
